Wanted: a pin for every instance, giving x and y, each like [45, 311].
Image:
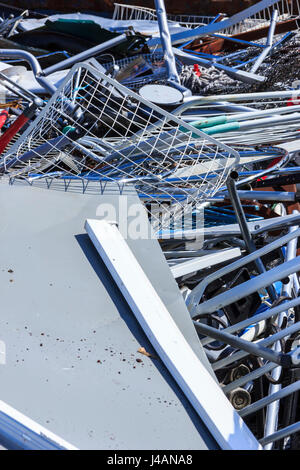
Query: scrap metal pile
[201, 115]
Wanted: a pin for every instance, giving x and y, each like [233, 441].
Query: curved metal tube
[34, 64]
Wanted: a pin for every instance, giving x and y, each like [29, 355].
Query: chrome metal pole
[239, 212]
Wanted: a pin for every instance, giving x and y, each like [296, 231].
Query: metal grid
[259, 347]
[285, 8]
[94, 129]
[131, 12]
[155, 60]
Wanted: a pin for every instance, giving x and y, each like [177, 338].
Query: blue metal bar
[239, 41]
[178, 38]
[293, 428]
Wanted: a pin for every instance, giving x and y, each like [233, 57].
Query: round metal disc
[15, 71]
[161, 94]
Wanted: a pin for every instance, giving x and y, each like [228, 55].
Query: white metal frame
[202, 262]
[208, 400]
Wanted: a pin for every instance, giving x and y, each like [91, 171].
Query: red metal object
[196, 70]
[11, 131]
[213, 46]
[3, 117]
[21, 120]
[293, 101]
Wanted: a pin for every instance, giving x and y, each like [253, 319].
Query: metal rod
[293, 428]
[212, 28]
[197, 292]
[278, 196]
[199, 100]
[85, 54]
[166, 41]
[246, 288]
[242, 75]
[273, 409]
[233, 230]
[246, 235]
[272, 312]
[284, 360]
[249, 377]
[264, 342]
[247, 116]
[269, 43]
[36, 68]
[258, 405]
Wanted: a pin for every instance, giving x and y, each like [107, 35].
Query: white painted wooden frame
[207, 398]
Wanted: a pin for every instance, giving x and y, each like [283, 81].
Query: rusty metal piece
[214, 45]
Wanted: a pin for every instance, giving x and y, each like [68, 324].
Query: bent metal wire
[95, 129]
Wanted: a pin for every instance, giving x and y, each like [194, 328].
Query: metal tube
[255, 349]
[241, 218]
[281, 434]
[243, 116]
[199, 100]
[20, 54]
[250, 245]
[291, 251]
[249, 377]
[197, 292]
[233, 230]
[34, 64]
[284, 196]
[85, 54]
[269, 43]
[242, 75]
[166, 41]
[237, 126]
[192, 34]
[272, 312]
[28, 94]
[258, 405]
[253, 285]
[264, 342]
[273, 408]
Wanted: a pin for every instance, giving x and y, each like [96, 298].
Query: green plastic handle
[204, 123]
[230, 126]
[210, 122]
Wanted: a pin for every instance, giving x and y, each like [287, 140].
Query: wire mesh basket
[156, 70]
[93, 129]
[132, 12]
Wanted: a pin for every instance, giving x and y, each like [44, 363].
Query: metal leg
[239, 212]
[284, 360]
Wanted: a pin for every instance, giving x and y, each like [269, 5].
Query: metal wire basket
[132, 12]
[93, 129]
[156, 63]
